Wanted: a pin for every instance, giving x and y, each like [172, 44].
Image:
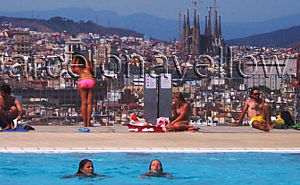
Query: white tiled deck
[68, 139]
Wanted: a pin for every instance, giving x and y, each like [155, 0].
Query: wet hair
[253, 89]
[159, 163]
[6, 89]
[81, 165]
[179, 96]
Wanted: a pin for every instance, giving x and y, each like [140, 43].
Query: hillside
[281, 38]
[160, 28]
[59, 24]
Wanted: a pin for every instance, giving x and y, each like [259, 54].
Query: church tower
[193, 42]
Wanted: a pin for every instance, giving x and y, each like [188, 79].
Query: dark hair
[81, 165]
[159, 163]
[179, 96]
[253, 89]
[82, 61]
[6, 89]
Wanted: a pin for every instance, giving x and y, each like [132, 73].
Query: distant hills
[59, 24]
[143, 23]
[289, 37]
[156, 27]
[281, 38]
[244, 29]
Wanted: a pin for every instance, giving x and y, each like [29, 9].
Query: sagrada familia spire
[195, 43]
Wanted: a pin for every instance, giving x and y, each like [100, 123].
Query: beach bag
[141, 125]
[287, 117]
[279, 123]
[162, 121]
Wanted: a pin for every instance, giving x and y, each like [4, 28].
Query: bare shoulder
[265, 104]
[173, 103]
[186, 105]
[1, 99]
[17, 101]
[168, 175]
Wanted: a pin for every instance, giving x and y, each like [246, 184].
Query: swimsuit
[257, 118]
[86, 83]
[86, 79]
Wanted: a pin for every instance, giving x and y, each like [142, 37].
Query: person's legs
[83, 94]
[266, 115]
[89, 104]
[13, 114]
[3, 120]
[179, 126]
[260, 126]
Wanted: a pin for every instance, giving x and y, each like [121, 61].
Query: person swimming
[155, 170]
[85, 169]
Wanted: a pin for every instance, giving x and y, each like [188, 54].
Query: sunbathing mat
[15, 130]
[146, 128]
[20, 128]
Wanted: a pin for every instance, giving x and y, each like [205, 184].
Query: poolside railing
[215, 101]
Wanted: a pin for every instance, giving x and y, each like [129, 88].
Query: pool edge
[147, 150]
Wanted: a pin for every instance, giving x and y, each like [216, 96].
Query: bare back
[7, 102]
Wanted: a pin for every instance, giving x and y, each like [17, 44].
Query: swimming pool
[124, 168]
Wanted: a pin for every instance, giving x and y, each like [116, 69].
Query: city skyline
[231, 10]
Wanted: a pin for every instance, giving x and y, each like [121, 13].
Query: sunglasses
[256, 94]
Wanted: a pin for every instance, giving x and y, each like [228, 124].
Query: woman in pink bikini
[86, 85]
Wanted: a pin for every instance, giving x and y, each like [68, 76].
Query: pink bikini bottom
[87, 84]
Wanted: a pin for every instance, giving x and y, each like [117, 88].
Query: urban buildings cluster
[28, 57]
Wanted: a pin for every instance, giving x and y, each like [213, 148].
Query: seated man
[10, 108]
[181, 111]
[258, 112]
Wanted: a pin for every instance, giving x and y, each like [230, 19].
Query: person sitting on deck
[10, 108]
[258, 112]
[155, 170]
[181, 111]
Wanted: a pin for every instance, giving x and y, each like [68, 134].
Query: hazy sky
[231, 10]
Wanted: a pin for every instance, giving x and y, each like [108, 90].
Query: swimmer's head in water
[155, 167]
[85, 167]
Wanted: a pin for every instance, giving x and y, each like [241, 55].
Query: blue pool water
[124, 168]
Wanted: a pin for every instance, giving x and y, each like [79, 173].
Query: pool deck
[117, 138]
